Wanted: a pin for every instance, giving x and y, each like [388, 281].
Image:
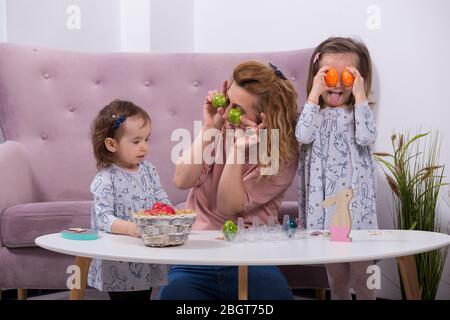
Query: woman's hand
[358, 89]
[319, 85]
[212, 117]
[251, 132]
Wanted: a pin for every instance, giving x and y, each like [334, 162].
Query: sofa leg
[21, 294]
[1, 294]
[321, 294]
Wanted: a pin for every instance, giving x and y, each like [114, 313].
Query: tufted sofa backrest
[48, 99]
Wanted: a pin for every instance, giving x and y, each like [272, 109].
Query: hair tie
[118, 121]
[316, 57]
[277, 71]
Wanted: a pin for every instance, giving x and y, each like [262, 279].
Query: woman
[238, 180]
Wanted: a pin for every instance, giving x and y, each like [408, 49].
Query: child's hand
[128, 228]
[133, 230]
[319, 85]
[358, 89]
[212, 117]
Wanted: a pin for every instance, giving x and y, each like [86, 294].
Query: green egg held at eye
[234, 116]
[219, 101]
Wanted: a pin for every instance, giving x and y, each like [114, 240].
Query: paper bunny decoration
[341, 224]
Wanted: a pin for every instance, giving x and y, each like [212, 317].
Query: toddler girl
[125, 183]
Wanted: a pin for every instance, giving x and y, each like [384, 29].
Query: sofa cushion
[21, 224]
[290, 208]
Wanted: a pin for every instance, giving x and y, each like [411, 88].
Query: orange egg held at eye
[331, 77]
[347, 78]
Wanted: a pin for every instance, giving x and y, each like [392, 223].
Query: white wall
[135, 25]
[2, 20]
[103, 25]
[410, 53]
[172, 25]
[94, 27]
[2, 37]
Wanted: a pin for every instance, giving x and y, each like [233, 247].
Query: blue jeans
[221, 283]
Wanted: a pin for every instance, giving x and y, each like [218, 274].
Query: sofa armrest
[15, 176]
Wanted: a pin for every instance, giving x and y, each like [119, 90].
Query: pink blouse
[263, 196]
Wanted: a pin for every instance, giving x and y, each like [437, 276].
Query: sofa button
[147, 83]
[44, 136]
[172, 112]
[71, 108]
[46, 76]
[35, 50]
[195, 83]
[293, 79]
[97, 82]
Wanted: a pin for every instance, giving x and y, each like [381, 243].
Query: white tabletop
[203, 248]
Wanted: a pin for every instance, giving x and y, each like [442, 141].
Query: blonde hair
[276, 98]
[105, 126]
[342, 45]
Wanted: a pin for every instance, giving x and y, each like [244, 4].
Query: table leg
[408, 273]
[22, 294]
[321, 294]
[83, 263]
[243, 283]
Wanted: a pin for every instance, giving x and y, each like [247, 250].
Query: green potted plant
[415, 177]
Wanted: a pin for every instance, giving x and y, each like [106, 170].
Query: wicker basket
[164, 230]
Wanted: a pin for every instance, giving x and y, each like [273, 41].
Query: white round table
[206, 248]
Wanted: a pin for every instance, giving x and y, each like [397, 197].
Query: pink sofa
[48, 99]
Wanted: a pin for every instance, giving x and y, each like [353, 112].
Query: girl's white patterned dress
[335, 154]
[118, 193]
